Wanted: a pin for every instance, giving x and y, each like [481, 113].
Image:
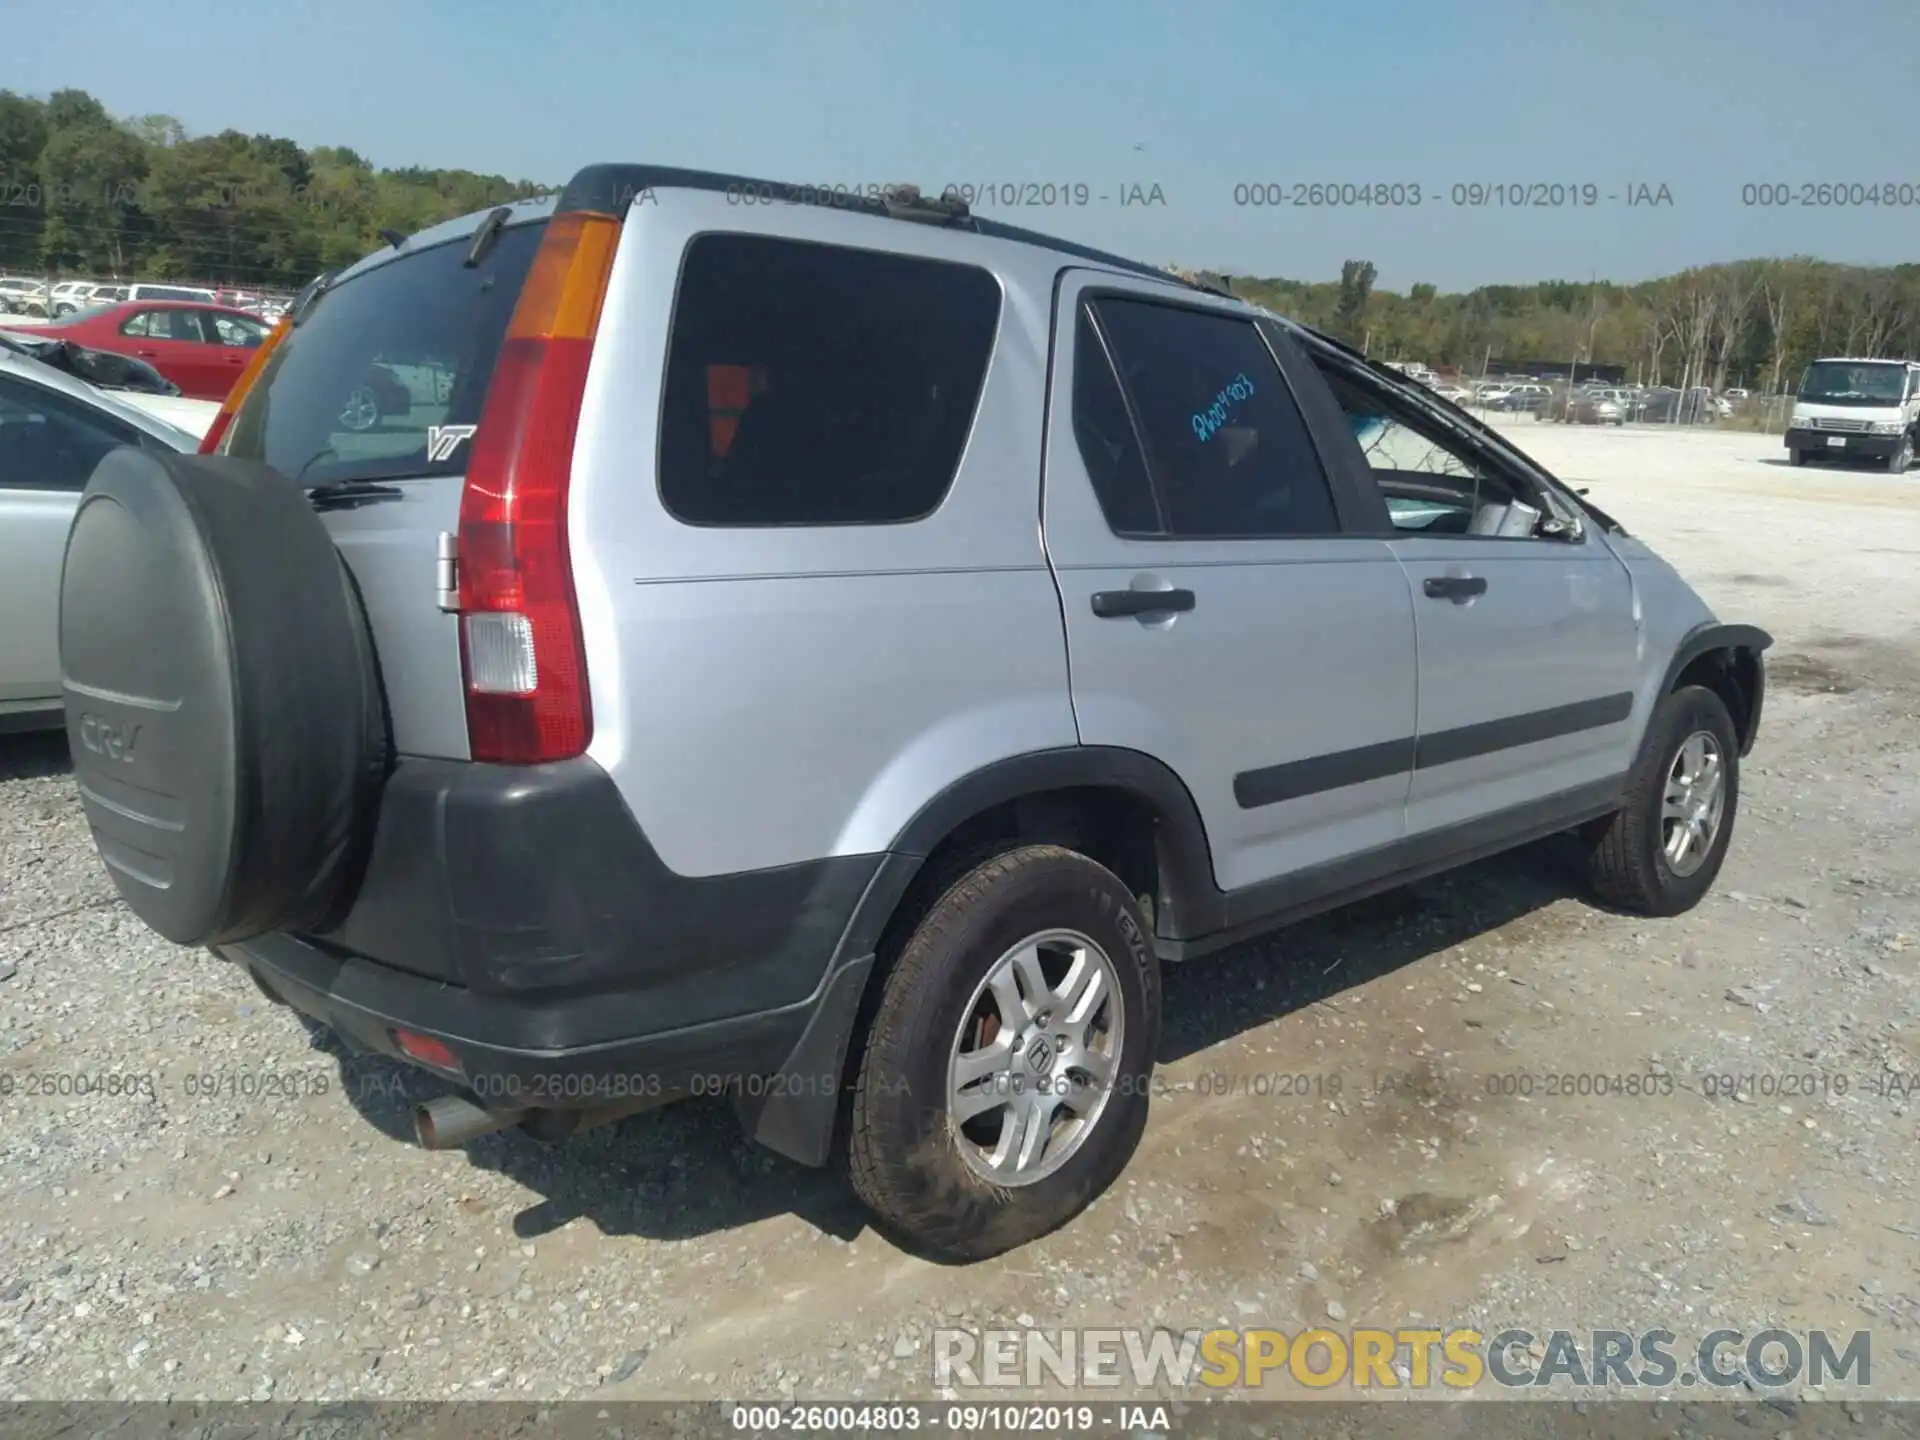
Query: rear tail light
[520, 642]
[210, 442]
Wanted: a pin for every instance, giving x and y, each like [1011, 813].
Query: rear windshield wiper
[349, 494]
[488, 232]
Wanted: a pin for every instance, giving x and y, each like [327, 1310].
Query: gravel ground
[249, 1224]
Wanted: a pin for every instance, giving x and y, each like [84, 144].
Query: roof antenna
[393, 238]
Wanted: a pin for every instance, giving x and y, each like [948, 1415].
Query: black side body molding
[1297, 778]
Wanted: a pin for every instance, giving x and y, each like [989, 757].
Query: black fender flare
[795, 1114]
[1188, 893]
[1714, 635]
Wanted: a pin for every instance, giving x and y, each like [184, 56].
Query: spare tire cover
[222, 700]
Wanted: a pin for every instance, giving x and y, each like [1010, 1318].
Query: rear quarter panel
[765, 697]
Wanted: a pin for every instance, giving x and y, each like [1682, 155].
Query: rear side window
[1228, 449]
[381, 360]
[819, 385]
[52, 442]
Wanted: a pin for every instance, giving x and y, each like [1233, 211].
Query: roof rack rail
[905, 202]
[1214, 282]
[613, 188]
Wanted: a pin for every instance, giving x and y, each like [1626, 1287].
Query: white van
[169, 292]
[1852, 409]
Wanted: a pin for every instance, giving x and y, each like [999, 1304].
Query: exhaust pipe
[450, 1121]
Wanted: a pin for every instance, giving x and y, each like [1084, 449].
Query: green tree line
[90, 194]
[1752, 323]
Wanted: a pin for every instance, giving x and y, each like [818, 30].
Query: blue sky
[1701, 96]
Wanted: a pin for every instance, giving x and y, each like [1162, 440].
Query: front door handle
[1117, 604]
[1458, 588]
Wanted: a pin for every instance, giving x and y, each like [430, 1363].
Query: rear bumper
[519, 916]
[366, 1004]
[1851, 446]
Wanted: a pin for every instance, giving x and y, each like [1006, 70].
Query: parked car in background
[23, 297]
[145, 291]
[54, 428]
[201, 348]
[70, 295]
[89, 297]
[1522, 398]
[1857, 409]
[1665, 405]
[1582, 407]
[103, 368]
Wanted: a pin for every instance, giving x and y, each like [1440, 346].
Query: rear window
[383, 358]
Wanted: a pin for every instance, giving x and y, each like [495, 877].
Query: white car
[24, 297]
[54, 428]
[72, 296]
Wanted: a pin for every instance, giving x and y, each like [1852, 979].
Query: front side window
[1428, 477]
[819, 385]
[1229, 452]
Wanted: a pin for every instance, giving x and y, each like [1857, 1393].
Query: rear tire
[1637, 859]
[941, 1044]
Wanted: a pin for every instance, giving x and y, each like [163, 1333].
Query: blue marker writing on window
[1207, 423]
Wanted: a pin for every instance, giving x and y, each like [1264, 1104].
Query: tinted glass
[818, 385]
[351, 392]
[1229, 451]
[1109, 446]
[49, 442]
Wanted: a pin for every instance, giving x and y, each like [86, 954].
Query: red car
[201, 348]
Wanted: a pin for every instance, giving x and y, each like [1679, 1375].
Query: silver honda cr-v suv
[835, 652]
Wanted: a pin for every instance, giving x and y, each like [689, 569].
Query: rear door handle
[1117, 604]
[1458, 588]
